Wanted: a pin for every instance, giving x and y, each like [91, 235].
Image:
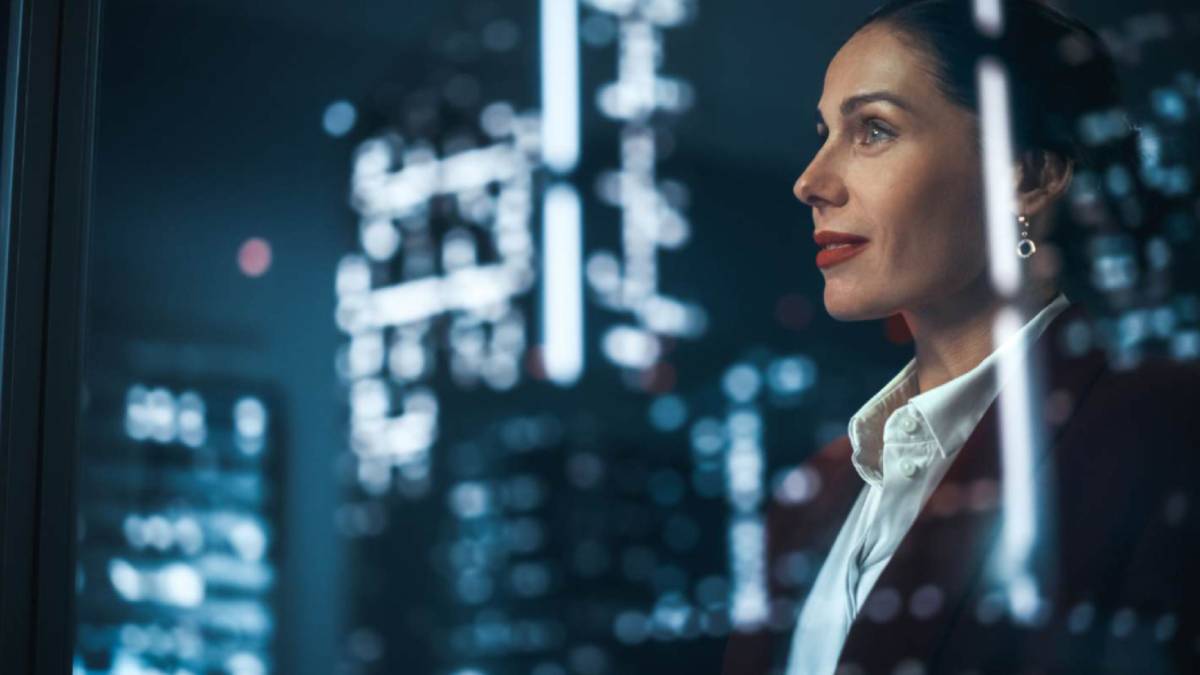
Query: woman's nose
[803, 188]
[819, 185]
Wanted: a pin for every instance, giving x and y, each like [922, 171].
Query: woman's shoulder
[1145, 394]
[1156, 390]
[1145, 418]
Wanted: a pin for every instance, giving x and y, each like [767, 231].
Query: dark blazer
[1122, 570]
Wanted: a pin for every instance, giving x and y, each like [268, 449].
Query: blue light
[1169, 104]
[339, 118]
[668, 413]
[180, 584]
[631, 627]
[708, 436]
[1118, 180]
[474, 587]
[250, 417]
[791, 375]
[245, 663]
[598, 30]
[530, 579]
[741, 382]
[248, 540]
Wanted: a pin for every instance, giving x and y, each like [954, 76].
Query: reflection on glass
[420, 341]
[177, 532]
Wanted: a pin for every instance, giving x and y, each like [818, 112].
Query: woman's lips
[828, 257]
[837, 247]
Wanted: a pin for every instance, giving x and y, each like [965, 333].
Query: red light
[535, 365]
[254, 257]
[658, 379]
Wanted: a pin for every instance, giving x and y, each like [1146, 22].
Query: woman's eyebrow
[852, 103]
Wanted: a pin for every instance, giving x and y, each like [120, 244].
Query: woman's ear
[1042, 178]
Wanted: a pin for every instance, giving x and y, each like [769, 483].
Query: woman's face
[899, 166]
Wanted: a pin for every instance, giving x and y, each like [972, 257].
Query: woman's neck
[955, 335]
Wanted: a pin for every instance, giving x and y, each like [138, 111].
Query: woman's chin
[844, 307]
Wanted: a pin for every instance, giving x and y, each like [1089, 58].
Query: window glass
[475, 337]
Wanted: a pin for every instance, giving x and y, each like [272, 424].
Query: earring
[1025, 248]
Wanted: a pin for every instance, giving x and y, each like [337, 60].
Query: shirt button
[908, 468]
[908, 424]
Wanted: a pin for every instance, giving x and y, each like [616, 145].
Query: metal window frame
[46, 155]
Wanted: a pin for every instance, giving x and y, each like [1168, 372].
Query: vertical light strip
[749, 600]
[1019, 440]
[560, 84]
[989, 17]
[998, 176]
[1019, 437]
[562, 285]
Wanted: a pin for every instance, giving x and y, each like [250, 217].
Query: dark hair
[1065, 98]
[1059, 70]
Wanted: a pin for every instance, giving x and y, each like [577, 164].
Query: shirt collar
[950, 410]
[866, 426]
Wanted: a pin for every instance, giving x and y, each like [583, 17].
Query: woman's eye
[875, 131]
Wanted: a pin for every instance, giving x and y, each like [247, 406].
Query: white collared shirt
[903, 443]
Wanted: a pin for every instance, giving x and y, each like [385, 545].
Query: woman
[909, 521]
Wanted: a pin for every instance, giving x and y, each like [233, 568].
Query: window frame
[52, 70]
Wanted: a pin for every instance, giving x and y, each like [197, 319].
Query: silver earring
[1025, 248]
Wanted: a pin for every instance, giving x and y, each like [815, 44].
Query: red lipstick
[837, 247]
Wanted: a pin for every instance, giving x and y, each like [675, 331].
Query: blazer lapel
[935, 563]
[942, 558]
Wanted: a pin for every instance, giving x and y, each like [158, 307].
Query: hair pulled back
[1059, 70]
